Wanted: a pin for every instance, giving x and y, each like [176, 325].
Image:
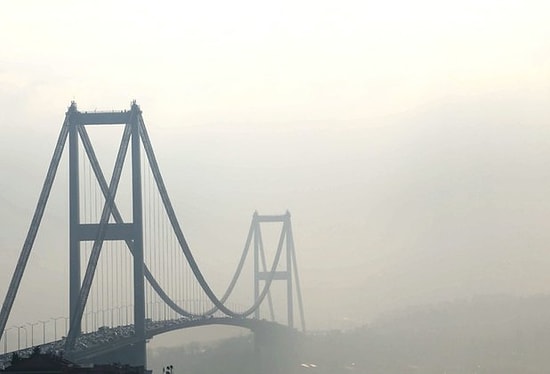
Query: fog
[409, 141]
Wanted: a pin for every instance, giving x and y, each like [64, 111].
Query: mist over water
[410, 142]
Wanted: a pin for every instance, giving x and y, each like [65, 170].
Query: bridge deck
[110, 339]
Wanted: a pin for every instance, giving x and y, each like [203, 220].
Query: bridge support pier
[275, 350]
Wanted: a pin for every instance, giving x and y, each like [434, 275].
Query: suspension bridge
[132, 274]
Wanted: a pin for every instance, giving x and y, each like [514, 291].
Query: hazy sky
[410, 140]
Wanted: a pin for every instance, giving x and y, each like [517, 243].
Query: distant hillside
[493, 334]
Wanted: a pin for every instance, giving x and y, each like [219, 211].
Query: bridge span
[136, 255]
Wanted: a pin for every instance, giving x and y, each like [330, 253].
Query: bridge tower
[74, 128]
[285, 275]
[131, 233]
